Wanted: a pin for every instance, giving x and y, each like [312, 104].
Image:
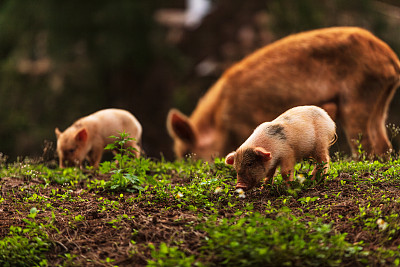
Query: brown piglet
[299, 133]
[88, 136]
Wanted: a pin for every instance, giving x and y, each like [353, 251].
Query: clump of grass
[26, 246]
[128, 173]
[28, 169]
[192, 184]
[170, 257]
[286, 240]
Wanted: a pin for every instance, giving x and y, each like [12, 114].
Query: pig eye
[72, 150]
[249, 164]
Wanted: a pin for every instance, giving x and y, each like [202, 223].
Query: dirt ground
[101, 237]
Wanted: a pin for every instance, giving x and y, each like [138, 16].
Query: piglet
[88, 136]
[298, 133]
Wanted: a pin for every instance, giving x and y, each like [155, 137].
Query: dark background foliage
[61, 60]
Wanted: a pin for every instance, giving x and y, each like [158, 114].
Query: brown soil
[95, 239]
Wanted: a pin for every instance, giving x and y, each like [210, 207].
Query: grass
[187, 213]
[26, 246]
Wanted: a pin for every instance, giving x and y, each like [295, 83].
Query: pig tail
[335, 138]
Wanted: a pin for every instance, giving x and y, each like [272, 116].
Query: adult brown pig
[299, 133]
[348, 71]
[88, 136]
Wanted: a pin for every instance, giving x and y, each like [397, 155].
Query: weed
[26, 246]
[79, 218]
[128, 173]
[170, 256]
[307, 200]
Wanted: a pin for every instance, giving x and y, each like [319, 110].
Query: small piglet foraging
[88, 136]
[299, 133]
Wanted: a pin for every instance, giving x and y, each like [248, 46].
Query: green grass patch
[26, 246]
[188, 213]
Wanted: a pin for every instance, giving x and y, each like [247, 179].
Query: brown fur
[88, 136]
[346, 70]
[299, 133]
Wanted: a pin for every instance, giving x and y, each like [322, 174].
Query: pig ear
[178, 125]
[260, 151]
[58, 132]
[82, 135]
[230, 159]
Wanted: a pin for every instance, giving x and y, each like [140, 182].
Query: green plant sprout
[128, 173]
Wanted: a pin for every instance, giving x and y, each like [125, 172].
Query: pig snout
[64, 163]
[242, 185]
[67, 163]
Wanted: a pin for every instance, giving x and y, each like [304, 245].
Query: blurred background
[61, 60]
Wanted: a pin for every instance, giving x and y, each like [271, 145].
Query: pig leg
[376, 122]
[322, 162]
[95, 156]
[354, 123]
[366, 115]
[62, 164]
[287, 168]
[372, 132]
[270, 175]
